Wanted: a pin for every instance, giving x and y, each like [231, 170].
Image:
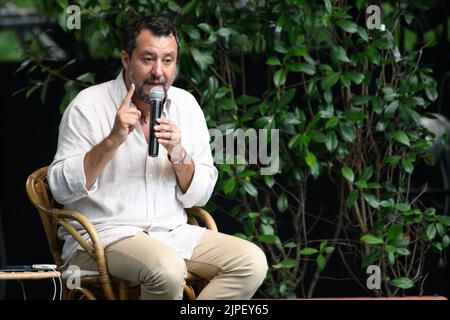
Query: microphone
[156, 97]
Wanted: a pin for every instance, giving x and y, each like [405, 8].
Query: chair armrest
[96, 251]
[204, 216]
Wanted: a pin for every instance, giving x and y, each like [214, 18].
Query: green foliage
[344, 106]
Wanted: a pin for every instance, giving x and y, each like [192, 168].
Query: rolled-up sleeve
[205, 173]
[77, 136]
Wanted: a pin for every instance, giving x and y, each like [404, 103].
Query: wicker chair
[100, 284]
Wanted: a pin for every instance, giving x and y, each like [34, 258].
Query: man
[136, 202]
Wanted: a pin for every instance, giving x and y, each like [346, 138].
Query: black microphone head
[156, 94]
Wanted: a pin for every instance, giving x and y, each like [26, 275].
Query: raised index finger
[127, 100]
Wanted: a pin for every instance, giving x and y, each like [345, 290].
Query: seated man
[136, 202]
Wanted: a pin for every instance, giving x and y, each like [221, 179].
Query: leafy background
[347, 108]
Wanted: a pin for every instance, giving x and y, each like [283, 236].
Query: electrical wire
[60, 284]
[23, 290]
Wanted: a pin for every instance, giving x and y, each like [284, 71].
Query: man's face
[152, 63]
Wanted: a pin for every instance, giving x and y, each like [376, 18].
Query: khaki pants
[235, 267]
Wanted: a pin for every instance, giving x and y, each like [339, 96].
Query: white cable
[53, 268]
[54, 289]
[60, 284]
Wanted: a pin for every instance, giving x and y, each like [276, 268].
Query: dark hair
[159, 26]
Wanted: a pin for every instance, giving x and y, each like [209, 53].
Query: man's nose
[157, 70]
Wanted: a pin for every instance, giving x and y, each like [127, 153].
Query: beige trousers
[235, 267]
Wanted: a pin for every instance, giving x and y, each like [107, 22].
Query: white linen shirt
[134, 192]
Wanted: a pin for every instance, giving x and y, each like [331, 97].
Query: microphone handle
[153, 146]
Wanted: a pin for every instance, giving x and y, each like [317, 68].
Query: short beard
[139, 92]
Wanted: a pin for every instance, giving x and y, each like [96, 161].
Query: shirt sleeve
[77, 136]
[205, 173]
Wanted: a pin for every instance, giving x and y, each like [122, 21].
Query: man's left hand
[169, 136]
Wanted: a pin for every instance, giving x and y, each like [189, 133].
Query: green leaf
[188, 7]
[330, 80]
[338, 53]
[359, 100]
[279, 47]
[273, 61]
[323, 244]
[390, 249]
[250, 188]
[347, 172]
[269, 180]
[268, 238]
[331, 123]
[347, 132]
[401, 137]
[371, 200]
[371, 239]
[321, 261]
[328, 6]
[393, 160]
[362, 34]
[371, 258]
[391, 258]
[407, 165]
[347, 25]
[290, 245]
[403, 251]
[331, 141]
[403, 283]
[229, 185]
[431, 93]
[227, 104]
[203, 59]
[204, 26]
[308, 251]
[437, 246]
[391, 108]
[431, 231]
[288, 263]
[445, 220]
[395, 232]
[366, 173]
[402, 207]
[355, 77]
[445, 241]
[362, 184]
[307, 68]
[279, 77]
[246, 100]
[287, 97]
[87, 77]
[192, 32]
[310, 159]
[282, 203]
[224, 32]
[351, 199]
[328, 250]
[354, 114]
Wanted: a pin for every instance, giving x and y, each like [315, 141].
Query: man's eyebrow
[150, 53]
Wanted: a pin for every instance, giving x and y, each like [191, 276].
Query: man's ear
[125, 59]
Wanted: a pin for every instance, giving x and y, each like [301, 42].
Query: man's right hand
[126, 119]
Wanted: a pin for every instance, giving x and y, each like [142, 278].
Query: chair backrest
[40, 196]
